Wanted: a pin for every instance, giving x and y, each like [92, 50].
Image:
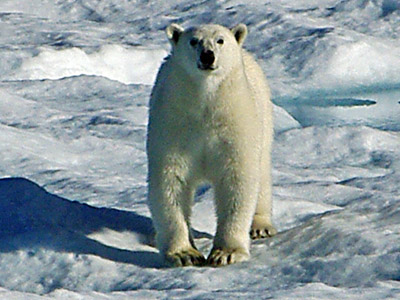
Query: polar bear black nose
[207, 58]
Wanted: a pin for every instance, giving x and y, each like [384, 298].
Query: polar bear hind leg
[262, 224]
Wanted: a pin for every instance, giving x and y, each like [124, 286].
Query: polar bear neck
[208, 85]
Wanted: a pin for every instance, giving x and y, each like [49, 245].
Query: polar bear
[210, 121]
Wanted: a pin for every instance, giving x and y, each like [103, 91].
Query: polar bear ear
[174, 31]
[240, 33]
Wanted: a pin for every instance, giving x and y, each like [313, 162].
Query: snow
[75, 78]
[111, 61]
[364, 63]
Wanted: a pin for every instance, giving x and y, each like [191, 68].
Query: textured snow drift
[364, 63]
[112, 61]
[75, 78]
[52, 243]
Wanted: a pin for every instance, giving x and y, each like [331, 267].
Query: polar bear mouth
[206, 67]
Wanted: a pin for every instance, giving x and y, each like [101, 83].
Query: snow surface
[75, 78]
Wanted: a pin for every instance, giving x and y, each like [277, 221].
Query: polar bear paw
[261, 229]
[184, 258]
[263, 232]
[221, 257]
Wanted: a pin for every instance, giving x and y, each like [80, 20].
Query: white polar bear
[210, 120]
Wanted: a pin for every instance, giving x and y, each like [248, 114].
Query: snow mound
[127, 65]
[283, 121]
[363, 63]
[329, 147]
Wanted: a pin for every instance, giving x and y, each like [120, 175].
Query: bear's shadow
[32, 218]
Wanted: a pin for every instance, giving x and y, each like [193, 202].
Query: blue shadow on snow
[32, 218]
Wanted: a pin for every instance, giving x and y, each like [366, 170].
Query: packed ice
[75, 79]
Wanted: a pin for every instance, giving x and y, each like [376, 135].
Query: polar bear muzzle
[207, 59]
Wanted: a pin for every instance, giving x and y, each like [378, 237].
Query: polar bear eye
[193, 42]
[220, 41]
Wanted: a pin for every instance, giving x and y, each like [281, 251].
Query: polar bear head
[207, 50]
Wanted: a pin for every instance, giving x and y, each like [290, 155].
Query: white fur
[215, 126]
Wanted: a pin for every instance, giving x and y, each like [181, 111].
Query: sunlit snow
[75, 79]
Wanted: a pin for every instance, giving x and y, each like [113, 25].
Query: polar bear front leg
[235, 197]
[170, 205]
